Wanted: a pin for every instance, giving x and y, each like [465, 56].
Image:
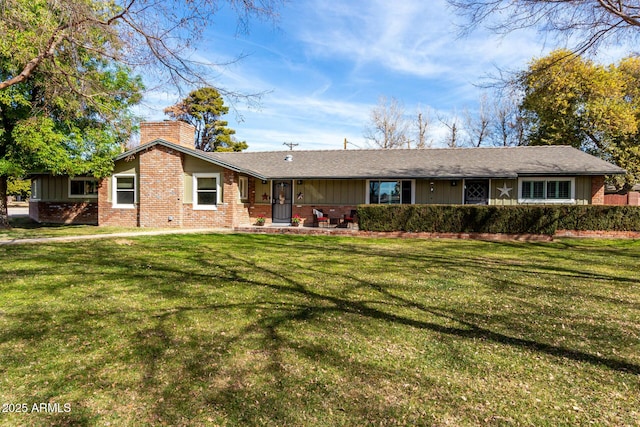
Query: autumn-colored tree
[573, 101]
[203, 108]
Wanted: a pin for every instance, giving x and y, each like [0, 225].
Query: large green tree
[60, 132]
[574, 101]
[65, 67]
[204, 108]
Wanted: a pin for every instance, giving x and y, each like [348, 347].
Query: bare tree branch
[588, 24]
[387, 127]
[146, 35]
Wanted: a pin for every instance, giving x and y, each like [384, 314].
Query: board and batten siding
[193, 165]
[318, 192]
[56, 189]
[261, 190]
[445, 192]
[330, 192]
[53, 188]
[503, 200]
[583, 190]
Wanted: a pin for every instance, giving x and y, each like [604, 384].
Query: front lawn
[25, 228]
[314, 330]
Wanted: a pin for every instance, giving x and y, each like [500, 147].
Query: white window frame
[545, 200]
[196, 206]
[243, 188]
[36, 189]
[368, 189]
[82, 196]
[114, 191]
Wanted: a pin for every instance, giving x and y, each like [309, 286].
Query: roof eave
[192, 152]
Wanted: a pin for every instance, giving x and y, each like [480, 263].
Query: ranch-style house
[165, 182]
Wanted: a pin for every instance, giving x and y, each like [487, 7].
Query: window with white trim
[391, 192]
[206, 191]
[35, 189]
[546, 190]
[243, 187]
[124, 191]
[83, 187]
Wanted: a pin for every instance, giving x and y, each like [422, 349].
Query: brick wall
[108, 216]
[180, 133]
[161, 187]
[597, 190]
[160, 202]
[64, 212]
[632, 198]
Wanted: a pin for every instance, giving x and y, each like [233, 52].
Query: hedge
[523, 219]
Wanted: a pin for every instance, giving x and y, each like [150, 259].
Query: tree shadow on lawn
[319, 306]
[247, 374]
[470, 330]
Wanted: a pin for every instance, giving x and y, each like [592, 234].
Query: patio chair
[350, 219]
[320, 219]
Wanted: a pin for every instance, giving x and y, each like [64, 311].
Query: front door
[476, 192]
[282, 203]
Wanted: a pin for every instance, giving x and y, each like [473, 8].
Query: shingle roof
[439, 163]
[498, 162]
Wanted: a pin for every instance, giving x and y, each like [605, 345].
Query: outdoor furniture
[321, 220]
[350, 219]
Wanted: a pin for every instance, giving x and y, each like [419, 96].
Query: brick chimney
[178, 132]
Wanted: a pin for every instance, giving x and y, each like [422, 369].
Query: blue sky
[324, 66]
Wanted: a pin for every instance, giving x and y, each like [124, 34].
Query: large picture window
[124, 191]
[83, 187]
[206, 190]
[390, 192]
[547, 190]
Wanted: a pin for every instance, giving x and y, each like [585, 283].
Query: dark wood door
[476, 192]
[281, 203]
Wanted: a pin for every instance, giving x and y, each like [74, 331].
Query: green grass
[315, 330]
[25, 228]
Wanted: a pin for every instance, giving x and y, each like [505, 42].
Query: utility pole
[290, 145]
[349, 142]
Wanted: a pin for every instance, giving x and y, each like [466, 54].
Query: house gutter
[194, 153]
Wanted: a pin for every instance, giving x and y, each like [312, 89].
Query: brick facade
[177, 132]
[632, 198]
[64, 212]
[108, 216]
[597, 190]
[161, 199]
[161, 187]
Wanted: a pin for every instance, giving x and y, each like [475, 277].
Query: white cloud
[327, 64]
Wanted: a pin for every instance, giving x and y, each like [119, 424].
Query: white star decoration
[505, 191]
